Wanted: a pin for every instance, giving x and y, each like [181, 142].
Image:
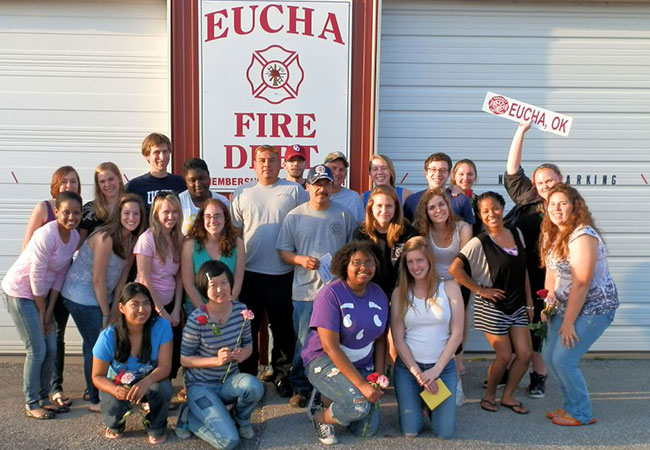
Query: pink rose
[127, 378]
[247, 314]
[382, 381]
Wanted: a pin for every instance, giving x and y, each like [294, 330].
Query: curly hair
[341, 259]
[396, 226]
[552, 239]
[423, 222]
[405, 279]
[228, 237]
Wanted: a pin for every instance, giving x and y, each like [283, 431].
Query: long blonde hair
[176, 235]
[406, 281]
[396, 225]
[556, 241]
[100, 205]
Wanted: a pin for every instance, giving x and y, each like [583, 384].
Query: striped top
[199, 340]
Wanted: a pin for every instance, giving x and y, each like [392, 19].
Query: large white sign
[272, 73]
[544, 119]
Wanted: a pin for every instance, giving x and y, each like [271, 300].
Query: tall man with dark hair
[258, 208]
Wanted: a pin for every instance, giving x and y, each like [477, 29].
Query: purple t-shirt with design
[359, 321]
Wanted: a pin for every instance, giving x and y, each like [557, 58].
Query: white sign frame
[342, 112]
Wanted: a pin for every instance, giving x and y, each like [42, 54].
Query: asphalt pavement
[620, 390]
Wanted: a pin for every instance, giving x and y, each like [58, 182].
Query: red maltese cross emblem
[275, 74]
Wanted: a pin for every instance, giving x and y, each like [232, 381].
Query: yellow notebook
[433, 400]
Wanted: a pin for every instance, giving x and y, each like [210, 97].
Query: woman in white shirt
[427, 317]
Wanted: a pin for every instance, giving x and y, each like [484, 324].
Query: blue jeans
[409, 402]
[208, 417]
[349, 407]
[158, 396]
[40, 350]
[301, 316]
[563, 362]
[89, 323]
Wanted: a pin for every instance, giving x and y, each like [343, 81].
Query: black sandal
[492, 406]
[521, 409]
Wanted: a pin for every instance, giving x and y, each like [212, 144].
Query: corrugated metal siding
[589, 61]
[81, 82]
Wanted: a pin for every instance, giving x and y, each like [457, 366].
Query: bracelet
[530, 308]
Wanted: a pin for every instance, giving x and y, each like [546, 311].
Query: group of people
[169, 274]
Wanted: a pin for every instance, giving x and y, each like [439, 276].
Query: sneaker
[502, 383]
[266, 374]
[324, 432]
[537, 387]
[283, 387]
[246, 432]
[182, 430]
[299, 399]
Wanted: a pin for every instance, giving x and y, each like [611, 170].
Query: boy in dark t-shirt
[156, 149]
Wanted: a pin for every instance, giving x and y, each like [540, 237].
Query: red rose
[542, 293]
[202, 320]
[373, 377]
[118, 377]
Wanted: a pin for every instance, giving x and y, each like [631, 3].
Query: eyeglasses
[441, 171]
[162, 195]
[210, 217]
[367, 264]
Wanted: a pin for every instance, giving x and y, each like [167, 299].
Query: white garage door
[81, 82]
[589, 61]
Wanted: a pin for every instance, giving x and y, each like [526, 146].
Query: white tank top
[445, 256]
[427, 327]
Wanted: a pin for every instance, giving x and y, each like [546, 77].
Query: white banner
[543, 119]
[273, 73]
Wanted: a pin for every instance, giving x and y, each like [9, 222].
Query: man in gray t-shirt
[258, 208]
[309, 232]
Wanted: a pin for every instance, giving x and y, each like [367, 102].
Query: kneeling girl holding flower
[131, 363]
[216, 338]
[347, 342]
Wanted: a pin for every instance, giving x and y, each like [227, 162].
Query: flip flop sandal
[60, 400]
[520, 408]
[557, 413]
[157, 440]
[568, 421]
[110, 434]
[47, 416]
[62, 409]
[492, 406]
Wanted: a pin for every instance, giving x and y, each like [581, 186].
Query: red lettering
[562, 126]
[535, 116]
[261, 125]
[304, 123]
[240, 124]
[213, 24]
[555, 123]
[264, 19]
[528, 112]
[277, 125]
[542, 120]
[237, 20]
[229, 157]
[333, 23]
[511, 112]
[520, 111]
[294, 19]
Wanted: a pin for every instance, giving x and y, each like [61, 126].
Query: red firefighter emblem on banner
[275, 74]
